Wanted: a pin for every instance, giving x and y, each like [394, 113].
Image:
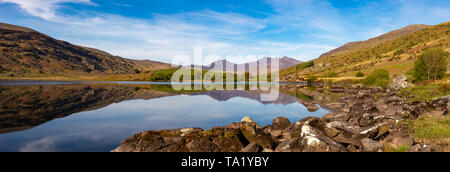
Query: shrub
[305, 65]
[378, 77]
[360, 74]
[431, 65]
[162, 75]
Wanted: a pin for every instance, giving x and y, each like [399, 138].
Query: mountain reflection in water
[98, 116]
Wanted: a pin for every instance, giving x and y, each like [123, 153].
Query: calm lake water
[95, 116]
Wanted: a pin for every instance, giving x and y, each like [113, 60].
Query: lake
[97, 116]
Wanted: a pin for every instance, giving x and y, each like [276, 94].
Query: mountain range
[26, 52]
[284, 62]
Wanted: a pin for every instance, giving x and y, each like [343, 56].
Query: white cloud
[45, 9]
[314, 27]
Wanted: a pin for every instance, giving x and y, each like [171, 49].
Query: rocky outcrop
[255, 133]
[370, 145]
[398, 83]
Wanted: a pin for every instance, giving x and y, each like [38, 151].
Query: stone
[336, 117]
[399, 82]
[403, 141]
[290, 145]
[315, 122]
[311, 106]
[276, 133]
[422, 148]
[342, 132]
[254, 133]
[281, 123]
[314, 140]
[370, 145]
[377, 130]
[234, 125]
[252, 147]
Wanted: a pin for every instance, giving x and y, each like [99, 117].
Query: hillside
[353, 46]
[395, 55]
[28, 53]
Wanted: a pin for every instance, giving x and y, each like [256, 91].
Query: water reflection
[97, 116]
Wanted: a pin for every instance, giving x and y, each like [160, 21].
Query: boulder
[315, 122]
[342, 132]
[359, 109]
[422, 148]
[252, 147]
[311, 106]
[369, 145]
[336, 117]
[314, 140]
[376, 131]
[289, 145]
[399, 83]
[281, 123]
[276, 133]
[254, 133]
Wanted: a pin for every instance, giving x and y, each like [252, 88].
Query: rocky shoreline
[368, 121]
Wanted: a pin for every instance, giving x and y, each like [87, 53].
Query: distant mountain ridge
[284, 62]
[24, 51]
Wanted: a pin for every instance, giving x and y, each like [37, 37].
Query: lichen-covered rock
[290, 145]
[254, 133]
[336, 117]
[399, 83]
[370, 145]
[377, 130]
[281, 123]
[342, 132]
[252, 147]
[315, 122]
[314, 140]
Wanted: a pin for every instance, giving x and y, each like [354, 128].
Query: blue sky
[160, 30]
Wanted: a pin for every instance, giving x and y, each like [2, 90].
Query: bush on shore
[379, 77]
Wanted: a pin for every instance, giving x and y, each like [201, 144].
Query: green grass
[426, 92]
[430, 128]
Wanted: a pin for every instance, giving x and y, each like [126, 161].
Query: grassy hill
[28, 53]
[391, 51]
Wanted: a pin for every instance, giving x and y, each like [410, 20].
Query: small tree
[431, 65]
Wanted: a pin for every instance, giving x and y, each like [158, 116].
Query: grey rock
[370, 145]
[252, 147]
[399, 83]
[254, 133]
[281, 123]
[422, 148]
